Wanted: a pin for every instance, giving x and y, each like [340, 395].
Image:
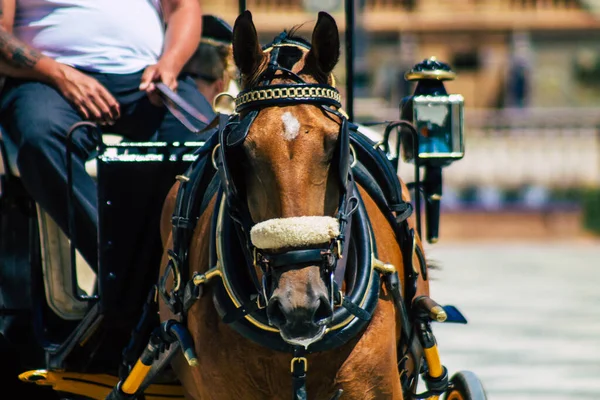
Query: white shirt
[108, 36]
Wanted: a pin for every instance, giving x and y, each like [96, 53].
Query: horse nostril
[323, 313]
[275, 313]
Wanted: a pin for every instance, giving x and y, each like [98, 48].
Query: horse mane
[292, 33]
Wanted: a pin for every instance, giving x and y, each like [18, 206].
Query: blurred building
[529, 71]
[515, 53]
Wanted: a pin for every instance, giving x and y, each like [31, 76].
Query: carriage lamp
[436, 115]
[438, 138]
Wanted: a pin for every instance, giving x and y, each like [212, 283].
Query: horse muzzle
[300, 305]
[303, 324]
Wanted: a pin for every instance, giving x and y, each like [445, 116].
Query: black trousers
[37, 119]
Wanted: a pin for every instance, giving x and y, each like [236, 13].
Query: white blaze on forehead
[291, 126]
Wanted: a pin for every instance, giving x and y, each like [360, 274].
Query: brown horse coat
[232, 367]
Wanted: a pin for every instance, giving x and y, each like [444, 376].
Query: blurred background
[529, 71]
[519, 252]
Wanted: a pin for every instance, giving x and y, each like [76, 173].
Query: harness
[350, 257]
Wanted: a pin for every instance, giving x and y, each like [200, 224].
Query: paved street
[533, 312]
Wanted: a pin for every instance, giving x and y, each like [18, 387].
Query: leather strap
[299, 367]
[295, 257]
[351, 204]
[243, 310]
[356, 310]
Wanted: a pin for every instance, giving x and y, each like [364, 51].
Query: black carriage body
[131, 190]
[133, 181]
[132, 187]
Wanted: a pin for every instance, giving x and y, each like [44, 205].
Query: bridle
[249, 103]
[241, 307]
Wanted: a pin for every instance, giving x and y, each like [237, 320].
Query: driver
[73, 60]
[212, 65]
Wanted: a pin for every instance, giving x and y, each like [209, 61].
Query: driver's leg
[37, 118]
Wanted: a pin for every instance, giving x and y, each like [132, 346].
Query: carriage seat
[55, 245]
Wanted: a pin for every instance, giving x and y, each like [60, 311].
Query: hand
[90, 98]
[159, 72]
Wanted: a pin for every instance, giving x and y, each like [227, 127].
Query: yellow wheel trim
[455, 395]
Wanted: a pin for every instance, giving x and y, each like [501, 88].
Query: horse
[281, 263]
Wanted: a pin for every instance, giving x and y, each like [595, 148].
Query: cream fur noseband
[279, 233]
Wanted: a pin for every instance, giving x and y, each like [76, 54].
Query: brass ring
[214, 153]
[224, 109]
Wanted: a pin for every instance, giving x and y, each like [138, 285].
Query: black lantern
[436, 115]
[437, 139]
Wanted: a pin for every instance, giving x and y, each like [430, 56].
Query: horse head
[289, 167]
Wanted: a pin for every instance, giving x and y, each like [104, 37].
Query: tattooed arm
[86, 94]
[19, 60]
[16, 58]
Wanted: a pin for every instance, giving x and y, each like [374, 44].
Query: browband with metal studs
[293, 93]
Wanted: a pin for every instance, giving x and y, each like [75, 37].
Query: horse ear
[247, 53]
[325, 47]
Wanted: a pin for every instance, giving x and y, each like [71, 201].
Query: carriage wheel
[465, 385]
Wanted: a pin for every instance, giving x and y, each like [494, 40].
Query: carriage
[97, 335]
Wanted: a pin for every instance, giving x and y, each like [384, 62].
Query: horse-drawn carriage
[286, 238]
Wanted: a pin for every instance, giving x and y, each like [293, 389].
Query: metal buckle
[340, 300]
[259, 303]
[299, 359]
[339, 254]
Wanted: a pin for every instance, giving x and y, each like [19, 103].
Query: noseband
[249, 103]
